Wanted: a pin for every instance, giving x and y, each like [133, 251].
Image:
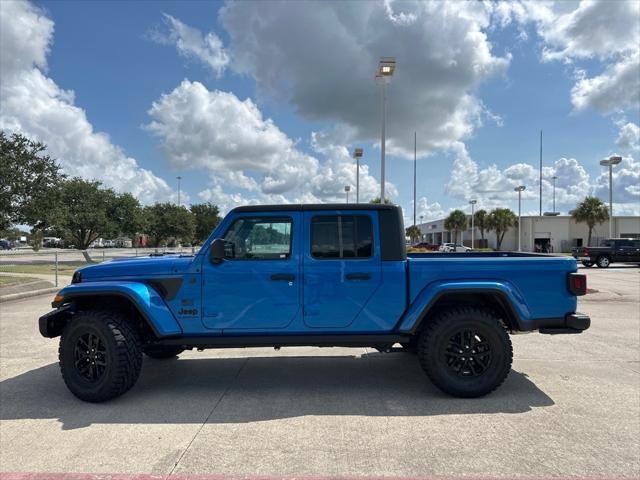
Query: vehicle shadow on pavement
[252, 389]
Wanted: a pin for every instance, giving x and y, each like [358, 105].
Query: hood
[137, 267]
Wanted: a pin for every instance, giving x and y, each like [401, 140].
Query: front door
[257, 286]
[342, 268]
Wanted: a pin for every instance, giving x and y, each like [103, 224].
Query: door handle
[358, 276]
[286, 277]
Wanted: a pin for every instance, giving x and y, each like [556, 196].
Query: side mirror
[216, 251]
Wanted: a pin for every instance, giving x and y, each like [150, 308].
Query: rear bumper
[571, 323]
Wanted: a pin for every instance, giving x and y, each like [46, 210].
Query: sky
[264, 102]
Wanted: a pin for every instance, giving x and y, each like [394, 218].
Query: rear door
[341, 264]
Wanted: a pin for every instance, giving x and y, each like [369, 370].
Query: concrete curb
[32, 293]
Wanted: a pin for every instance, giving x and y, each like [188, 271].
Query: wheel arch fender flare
[145, 298]
[503, 292]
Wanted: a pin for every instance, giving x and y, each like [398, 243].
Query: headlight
[77, 277]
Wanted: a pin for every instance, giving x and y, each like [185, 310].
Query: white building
[555, 234]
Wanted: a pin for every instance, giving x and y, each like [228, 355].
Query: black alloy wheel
[90, 357]
[468, 353]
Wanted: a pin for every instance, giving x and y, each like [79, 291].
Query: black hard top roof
[314, 206]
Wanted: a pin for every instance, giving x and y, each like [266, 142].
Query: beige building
[554, 234]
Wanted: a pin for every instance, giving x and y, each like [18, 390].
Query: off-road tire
[122, 354]
[163, 353]
[434, 350]
[587, 264]
[603, 261]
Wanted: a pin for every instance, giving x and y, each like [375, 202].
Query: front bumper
[571, 323]
[52, 323]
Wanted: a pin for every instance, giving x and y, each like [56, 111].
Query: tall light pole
[473, 235]
[415, 163]
[347, 189]
[386, 67]
[519, 189]
[357, 154]
[554, 178]
[179, 178]
[421, 234]
[610, 162]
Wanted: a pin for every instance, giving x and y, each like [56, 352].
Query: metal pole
[473, 236]
[357, 179]
[541, 173]
[103, 255]
[56, 255]
[347, 192]
[554, 194]
[383, 140]
[610, 200]
[415, 161]
[519, 219]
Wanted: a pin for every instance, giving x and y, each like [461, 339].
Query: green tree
[456, 222]
[125, 213]
[480, 221]
[89, 211]
[29, 181]
[592, 212]
[206, 217]
[500, 220]
[413, 232]
[165, 221]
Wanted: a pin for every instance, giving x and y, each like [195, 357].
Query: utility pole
[519, 189]
[415, 162]
[541, 173]
[179, 178]
[473, 236]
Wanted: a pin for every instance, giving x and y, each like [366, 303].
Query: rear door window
[341, 236]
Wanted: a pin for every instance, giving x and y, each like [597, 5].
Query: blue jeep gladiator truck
[311, 275]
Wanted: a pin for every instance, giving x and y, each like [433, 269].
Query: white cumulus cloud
[33, 104]
[246, 155]
[322, 56]
[191, 43]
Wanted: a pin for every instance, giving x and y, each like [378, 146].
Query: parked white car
[453, 247]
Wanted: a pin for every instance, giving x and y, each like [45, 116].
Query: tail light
[586, 252]
[578, 284]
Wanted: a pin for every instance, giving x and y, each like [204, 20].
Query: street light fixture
[386, 68]
[347, 189]
[473, 205]
[357, 154]
[610, 162]
[519, 189]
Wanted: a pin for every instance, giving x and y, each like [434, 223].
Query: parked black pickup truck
[610, 250]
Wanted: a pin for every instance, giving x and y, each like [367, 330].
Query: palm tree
[591, 211]
[500, 220]
[456, 222]
[377, 201]
[413, 232]
[480, 221]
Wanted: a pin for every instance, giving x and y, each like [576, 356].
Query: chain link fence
[58, 265]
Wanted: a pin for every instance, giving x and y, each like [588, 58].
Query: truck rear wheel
[587, 264]
[100, 355]
[163, 353]
[465, 351]
[603, 261]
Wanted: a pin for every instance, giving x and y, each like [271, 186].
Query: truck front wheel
[100, 355]
[465, 351]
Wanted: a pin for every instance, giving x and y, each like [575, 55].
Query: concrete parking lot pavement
[571, 406]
